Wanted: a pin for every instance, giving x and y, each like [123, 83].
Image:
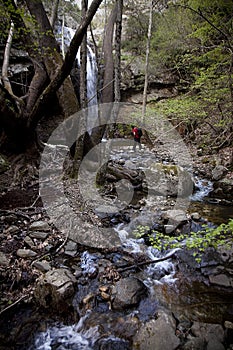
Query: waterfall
[91, 68]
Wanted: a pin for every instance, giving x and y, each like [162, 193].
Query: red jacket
[135, 133]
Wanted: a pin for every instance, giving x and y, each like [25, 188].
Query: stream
[173, 285]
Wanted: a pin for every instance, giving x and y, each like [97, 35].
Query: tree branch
[147, 262]
[65, 69]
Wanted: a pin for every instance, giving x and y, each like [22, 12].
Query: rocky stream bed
[59, 294]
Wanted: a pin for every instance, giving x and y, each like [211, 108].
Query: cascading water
[64, 37]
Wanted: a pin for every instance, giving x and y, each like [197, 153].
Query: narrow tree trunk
[147, 62]
[118, 51]
[6, 58]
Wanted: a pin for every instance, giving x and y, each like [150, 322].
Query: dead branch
[147, 262]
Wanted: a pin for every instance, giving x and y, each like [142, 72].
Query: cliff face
[20, 70]
[161, 84]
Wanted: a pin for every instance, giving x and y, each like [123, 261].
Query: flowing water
[159, 277]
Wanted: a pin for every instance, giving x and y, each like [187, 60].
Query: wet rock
[39, 226]
[39, 235]
[71, 248]
[175, 216]
[127, 293]
[223, 188]
[168, 180]
[212, 334]
[218, 172]
[195, 216]
[26, 253]
[55, 288]
[195, 344]
[157, 334]
[114, 344]
[42, 266]
[4, 261]
[226, 253]
[221, 280]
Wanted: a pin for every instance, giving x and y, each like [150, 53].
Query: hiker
[137, 134]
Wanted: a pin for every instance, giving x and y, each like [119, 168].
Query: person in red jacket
[137, 134]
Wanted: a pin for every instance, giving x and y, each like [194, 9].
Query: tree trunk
[66, 67]
[108, 81]
[147, 63]
[117, 82]
[53, 62]
[6, 58]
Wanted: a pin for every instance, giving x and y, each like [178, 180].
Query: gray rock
[71, 248]
[39, 226]
[168, 180]
[195, 344]
[214, 344]
[127, 293]
[208, 331]
[221, 280]
[218, 172]
[42, 266]
[12, 229]
[55, 289]
[26, 253]
[39, 235]
[195, 216]
[4, 261]
[29, 242]
[175, 215]
[157, 334]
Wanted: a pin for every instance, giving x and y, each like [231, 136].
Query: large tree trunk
[15, 116]
[108, 81]
[108, 78]
[66, 67]
[52, 57]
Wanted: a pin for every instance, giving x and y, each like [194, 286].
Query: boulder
[157, 334]
[128, 292]
[212, 334]
[218, 172]
[168, 180]
[55, 289]
[223, 188]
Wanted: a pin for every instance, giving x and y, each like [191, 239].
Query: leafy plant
[198, 242]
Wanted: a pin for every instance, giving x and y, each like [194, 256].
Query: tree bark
[6, 58]
[66, 67]
[108, 80]
[117, 82]
[52, 58]
[147, 62]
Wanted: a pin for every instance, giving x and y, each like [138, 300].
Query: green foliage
[198, 242]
